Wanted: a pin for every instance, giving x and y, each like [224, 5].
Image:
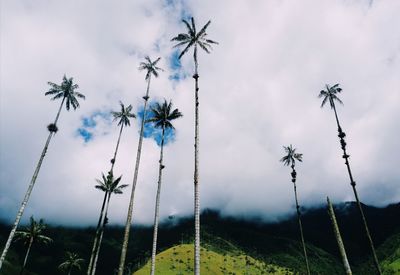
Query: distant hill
[275, 244]
[179, 260]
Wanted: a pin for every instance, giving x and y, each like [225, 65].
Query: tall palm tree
[122, 117]
[72, 261]
[123, 120]
[33, 233]
[151, 70]
[67, 92]
[194, 39]
[162, 117]
[110, 186]
[330, 94]
[290, 159]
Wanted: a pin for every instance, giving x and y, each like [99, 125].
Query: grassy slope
[389, 256]
[179, 260]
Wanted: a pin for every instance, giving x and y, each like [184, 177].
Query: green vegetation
[277, 244]
[389, 256]
[179, 260]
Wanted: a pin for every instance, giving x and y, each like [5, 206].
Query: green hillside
[389, 252]
[179, 260]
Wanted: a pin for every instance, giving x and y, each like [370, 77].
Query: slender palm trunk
[196, 171]
[156, 212]
[343, 144]
[102, 218]
[339, 240]
[100, 237]
[29, 191]
[26, 256]
[96, 238]
[116, 148]
[70, 270]
[135, 176]
[299, 219]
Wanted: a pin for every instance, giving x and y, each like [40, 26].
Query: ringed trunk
[135, 176]
[299, 220]
[100, 228]
[196, 172]
[339, 240]
[353, 185]
[157, 207]
[116, 148]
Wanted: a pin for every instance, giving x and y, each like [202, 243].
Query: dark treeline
[271, 242]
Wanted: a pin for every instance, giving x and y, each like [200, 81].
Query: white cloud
[258, 91]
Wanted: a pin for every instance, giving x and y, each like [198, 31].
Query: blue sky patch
[176, 66]
[88, 127]
[85, 134]
[174, 62]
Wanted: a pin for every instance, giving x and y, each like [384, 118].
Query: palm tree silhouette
[151, 70]
[122, 117]
[33, 233]
[162, 117]
[109, 186]
[290, 160]
[67, 92]
[194, 39]
[123, 120]
[72, 261]
[330, 94]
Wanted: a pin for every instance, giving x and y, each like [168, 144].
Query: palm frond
[186, 49]
[203, 29]
[189, 28]
[203, 46]
[193, 27]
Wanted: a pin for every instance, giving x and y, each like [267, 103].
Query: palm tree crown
[66, 91]
[72, 260]
[193, 38]
[109, 185]
[124, 115]
[150, 67]
[291, 156]
[33, 232]
[162, 115]
[330, 94]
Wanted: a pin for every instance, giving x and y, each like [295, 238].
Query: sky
[258, 93]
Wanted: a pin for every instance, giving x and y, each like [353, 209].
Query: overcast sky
[258, 92]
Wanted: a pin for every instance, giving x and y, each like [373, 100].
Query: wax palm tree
[151, 70]
[162, 117]
[123, 118]
[109, 186]
[330, 94]
[67, 92]
[71, 261]
[194, 39]
[33, 233]
[290, 160]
